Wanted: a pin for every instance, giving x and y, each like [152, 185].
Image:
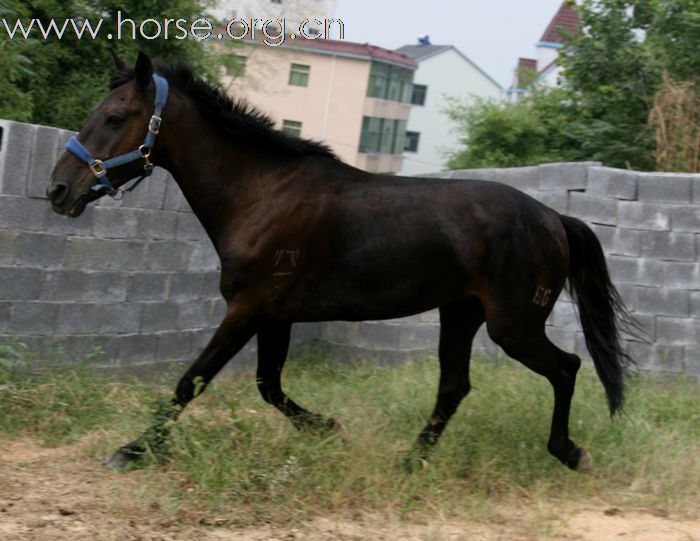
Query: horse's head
[114, 145]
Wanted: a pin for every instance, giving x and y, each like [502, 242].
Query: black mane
[236, 118]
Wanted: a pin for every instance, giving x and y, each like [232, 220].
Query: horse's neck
[217, 178]
[194, 158]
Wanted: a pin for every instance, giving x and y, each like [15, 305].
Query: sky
[492, 33]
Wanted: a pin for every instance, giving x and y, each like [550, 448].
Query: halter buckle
[97, 168]
[154, 124]
[145, 152]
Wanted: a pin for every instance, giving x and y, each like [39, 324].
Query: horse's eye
[114, 121]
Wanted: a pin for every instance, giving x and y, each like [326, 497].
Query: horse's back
[404, 245]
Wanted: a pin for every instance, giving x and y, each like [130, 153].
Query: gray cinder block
[678, 275]
[631, 270]
[668, 246]
[193, 315]
[665, 188]
[564, 176]
[20, 283]
[651, 216]
[662, 301]
[686, 218]
[676, 330]
[159, 316]
[31, 318]
[115, 223]
[40, 250]
[121, 317]
[42, 161]
[147, 286]
[593, 208]
[616, 183]
[18, 141]
[617, 240]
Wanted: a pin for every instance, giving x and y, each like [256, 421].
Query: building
[443, 71]
[355, 97]
[544, 68]
[294, 11]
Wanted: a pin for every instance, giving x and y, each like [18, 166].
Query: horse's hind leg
[273, 345]
[530, 345]
[459, 322]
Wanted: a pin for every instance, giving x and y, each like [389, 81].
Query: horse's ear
[143, 70]
[119, 62]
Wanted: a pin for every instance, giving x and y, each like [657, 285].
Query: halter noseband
[99, 168]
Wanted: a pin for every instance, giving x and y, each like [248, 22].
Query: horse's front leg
[273, 344]
[233, 333]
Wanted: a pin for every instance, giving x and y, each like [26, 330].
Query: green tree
[67, 76]
[14, 66]
[612, 71]
[611, 77]
[673, 35]
[542, 127]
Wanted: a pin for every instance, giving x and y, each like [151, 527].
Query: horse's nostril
[58, 192]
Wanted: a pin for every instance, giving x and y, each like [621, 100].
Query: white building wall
[294, 11]
[445, 74]
[545, 56]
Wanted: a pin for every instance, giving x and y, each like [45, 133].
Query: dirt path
[58, 495]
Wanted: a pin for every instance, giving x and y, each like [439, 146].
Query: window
[235, 65]
[299, 75]
[412, 138]
[418, 95]
[292, 127]
[388, 82]
[382, 135]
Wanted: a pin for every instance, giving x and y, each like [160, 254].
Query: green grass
[233, 455]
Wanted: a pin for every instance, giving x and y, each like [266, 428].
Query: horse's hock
[139, 279]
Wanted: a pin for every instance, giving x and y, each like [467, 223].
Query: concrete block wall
[139, 279]
[649, 226]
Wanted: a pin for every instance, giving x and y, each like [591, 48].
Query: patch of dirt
[637, 525]
[59, 495]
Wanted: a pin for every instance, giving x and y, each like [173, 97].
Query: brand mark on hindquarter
[542, 296]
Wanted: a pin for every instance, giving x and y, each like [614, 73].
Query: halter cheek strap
[99, 168]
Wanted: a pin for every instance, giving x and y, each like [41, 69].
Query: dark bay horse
[304, 237]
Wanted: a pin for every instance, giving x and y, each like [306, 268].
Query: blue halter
[99, 168]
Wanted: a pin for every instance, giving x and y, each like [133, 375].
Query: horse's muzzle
[64, 202]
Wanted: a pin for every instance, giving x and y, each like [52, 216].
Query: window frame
[299, 74]
[292, 127]
[422, 92]
[412, 136]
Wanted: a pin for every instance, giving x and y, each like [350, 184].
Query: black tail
[601, 309]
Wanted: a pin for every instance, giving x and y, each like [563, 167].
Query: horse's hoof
[331, 427]
[585, 462]
[122, 459]
[318, 425]
[414, 463]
